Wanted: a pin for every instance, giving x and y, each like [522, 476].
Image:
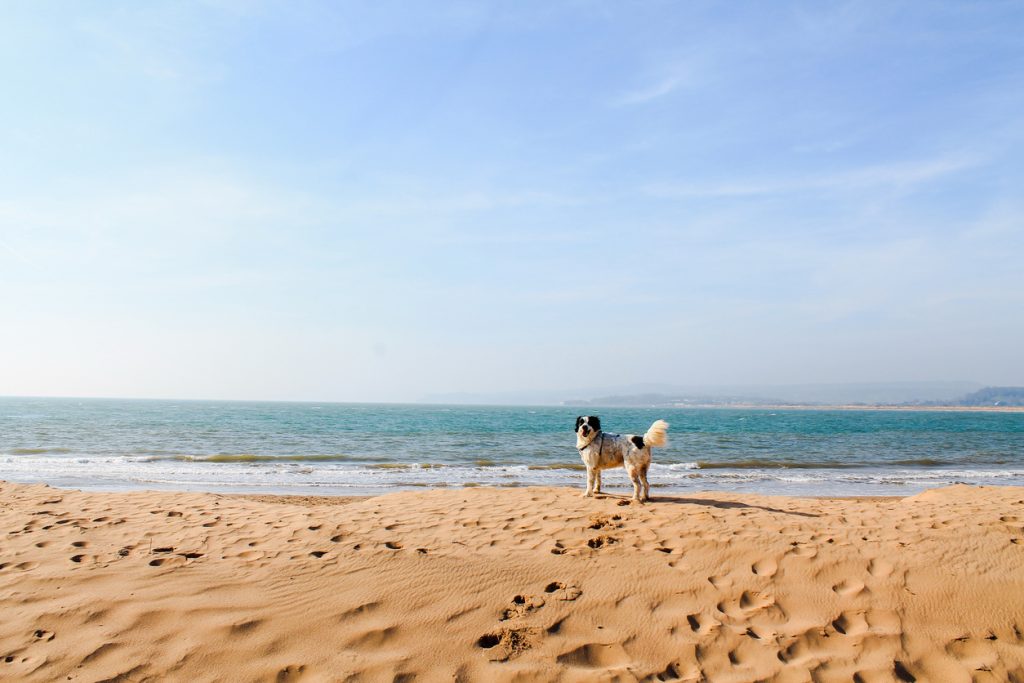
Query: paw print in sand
[521, 606]
[561, 591]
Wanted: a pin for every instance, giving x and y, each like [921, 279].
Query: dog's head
[587, 427]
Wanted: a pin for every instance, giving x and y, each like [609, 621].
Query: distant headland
[1009, 399]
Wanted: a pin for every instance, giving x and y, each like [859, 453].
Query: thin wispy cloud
[651, 92]
[676, 77]
[895, 175]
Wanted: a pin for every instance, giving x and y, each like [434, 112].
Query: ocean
[330, 448]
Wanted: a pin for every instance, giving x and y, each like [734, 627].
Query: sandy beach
[522, 584]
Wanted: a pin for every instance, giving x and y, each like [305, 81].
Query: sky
[376, 201]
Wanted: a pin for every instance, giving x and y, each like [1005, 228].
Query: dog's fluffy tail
[657, 435]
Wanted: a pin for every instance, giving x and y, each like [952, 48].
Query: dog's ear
[595, 422]
[579, 421]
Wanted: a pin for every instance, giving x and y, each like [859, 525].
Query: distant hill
[673, 400]
[867, 393]
[864, 393]
[994, 396]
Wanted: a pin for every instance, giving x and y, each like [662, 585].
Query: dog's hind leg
[647, 484]
[634, 476]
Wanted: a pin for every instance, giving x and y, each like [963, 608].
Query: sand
[510, 585]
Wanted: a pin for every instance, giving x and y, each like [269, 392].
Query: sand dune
[511, 585]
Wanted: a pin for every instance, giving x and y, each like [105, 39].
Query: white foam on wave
[140, 472]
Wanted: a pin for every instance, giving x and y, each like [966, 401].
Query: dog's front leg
[597, 481]
[590, 483]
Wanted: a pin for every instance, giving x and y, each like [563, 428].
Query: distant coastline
[987, 399]
[854, 407]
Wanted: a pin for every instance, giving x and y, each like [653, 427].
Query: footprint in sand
[672, 672]
[880, 568]
[745, 605]
[851, 623]
[251, 555]
[602, 541]
[849, 587]
[521, 606]
[902, 673]
[359, 610]
[975, 653]
[720, 582]
[602, 521]
[508, 642]
[884, 622]
[292, 672]
[373, 638]
[595, 656]
[562, 591]
[174, 561]
[812, 644]
[752, 600]
[766, 567]
[803, 550]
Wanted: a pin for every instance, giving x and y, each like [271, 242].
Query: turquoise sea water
[326, 448]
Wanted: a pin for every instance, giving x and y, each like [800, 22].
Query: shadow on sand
[706, 502]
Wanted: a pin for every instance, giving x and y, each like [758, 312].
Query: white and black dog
[601, 451]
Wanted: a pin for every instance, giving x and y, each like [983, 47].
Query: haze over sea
[332, 448]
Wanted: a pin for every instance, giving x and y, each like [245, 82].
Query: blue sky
[376, 201]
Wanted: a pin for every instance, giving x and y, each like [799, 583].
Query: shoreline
[345, 499]
[527, 584]
[616, 490]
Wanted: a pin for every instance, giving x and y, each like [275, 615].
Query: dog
[601, 451]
